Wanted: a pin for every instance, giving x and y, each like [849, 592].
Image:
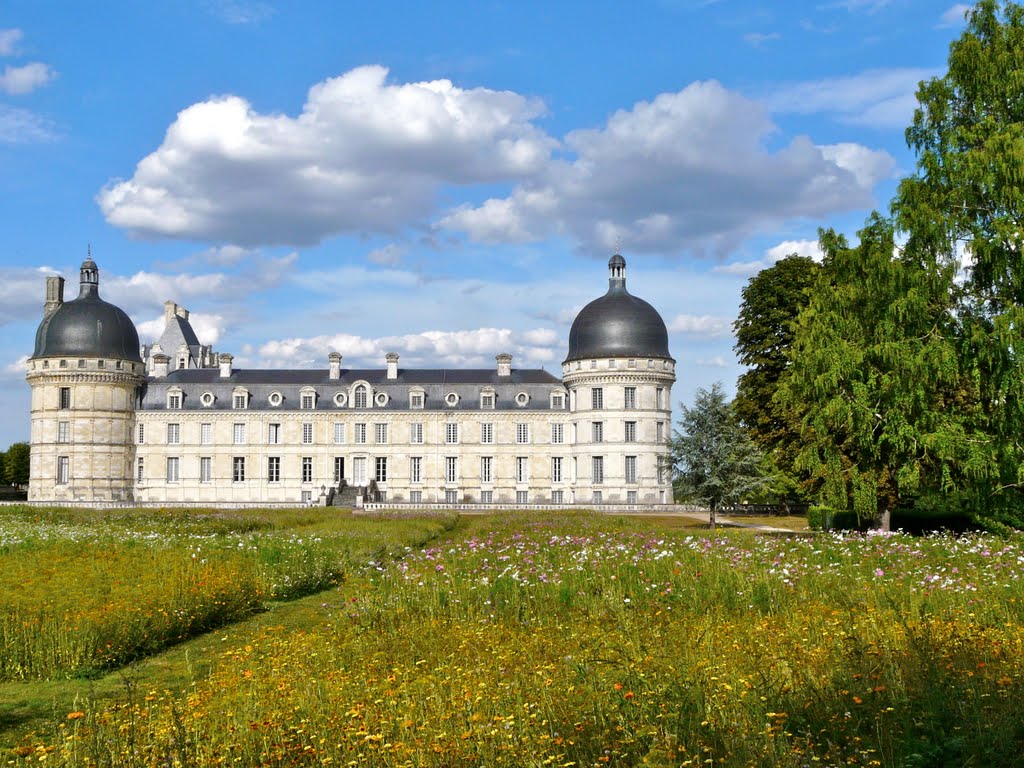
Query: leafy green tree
[16, 464]
[772, 301]
[3, 474]
[875, 374]
[968, 193]
[713, 459]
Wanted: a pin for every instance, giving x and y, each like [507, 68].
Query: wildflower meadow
[588, 640]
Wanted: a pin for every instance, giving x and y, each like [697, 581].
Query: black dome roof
[88, 326]
[618, 324]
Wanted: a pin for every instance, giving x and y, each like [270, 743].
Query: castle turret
[85, 374]
[620, 374]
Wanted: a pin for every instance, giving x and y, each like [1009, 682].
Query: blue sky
[442, 180]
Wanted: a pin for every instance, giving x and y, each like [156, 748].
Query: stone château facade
[173, 422]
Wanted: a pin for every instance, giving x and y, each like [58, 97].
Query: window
[380, 433]
[416, 433]
[451, 469]
[487, 433]
[275, 399]
[451, 433]
[416, 497]
[556, 469]
[205, 469]
[273, 434]
[597, 470]
[340, 398]
[81, 363]
[416, 469]
[238, 434]
[207, 399]
[238, 469]
[629, 434]
[173, 434]
[382, 469]
[486, 497]
[339, 469]
[63, 431]
[101, 363]
[307, 469]
[597, 398]
[631, 469]
[307, 497]
[273, 469]
[65, 398]
[556, 497]
[522, 399]
[522, 433]
[140, 470]
[522, 497]
[630, 396]
[486, 471]
[416, 400]
[522, 469]
[307, 401]
[142, 434]
[339, 433]
[63, 470]
[359, 397]
[487, 401]
[172, 469]
[307, 433]
[631, 364]
[557, 401]
[451, 399]
[659, 395]
[598, 497]
[659, 431]
[360, 433]
[381, 399]
[557, 433]
[205, 434]
[63, 363]
[451, 497]
[240, 401]
[174, 400]
[597, 431]
[631, 497]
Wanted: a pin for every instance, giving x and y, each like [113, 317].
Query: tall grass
[85, 591]
[581, 640]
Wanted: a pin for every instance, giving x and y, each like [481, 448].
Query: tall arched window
[359, 397]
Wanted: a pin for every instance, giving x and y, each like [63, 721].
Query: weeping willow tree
[876, 376]
[968, 195]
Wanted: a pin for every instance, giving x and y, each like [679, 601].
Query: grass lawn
[559, 639]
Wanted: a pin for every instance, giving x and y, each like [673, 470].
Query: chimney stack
[334, 359]
[225, 365]
[54, 295]
[181, 312]
[160, 365]
[504, 364]
[170, 310]
[392, 358]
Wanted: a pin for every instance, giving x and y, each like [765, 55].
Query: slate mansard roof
[436, 384]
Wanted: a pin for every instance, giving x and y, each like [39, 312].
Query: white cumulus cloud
[476, 347]
[707, 326]
[364, 155]
[25, 79]
[686, 171]
[880, 98]
[954, 16]
[808, 248]
[9, 41]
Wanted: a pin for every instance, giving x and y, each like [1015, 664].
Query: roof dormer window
[307, 399]
[174, 399]
[240, 399]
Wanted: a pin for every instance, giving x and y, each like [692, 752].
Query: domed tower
[85, 375]
[619, 374]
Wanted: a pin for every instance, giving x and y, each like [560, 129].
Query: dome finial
[89, 279]
[616, 271]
